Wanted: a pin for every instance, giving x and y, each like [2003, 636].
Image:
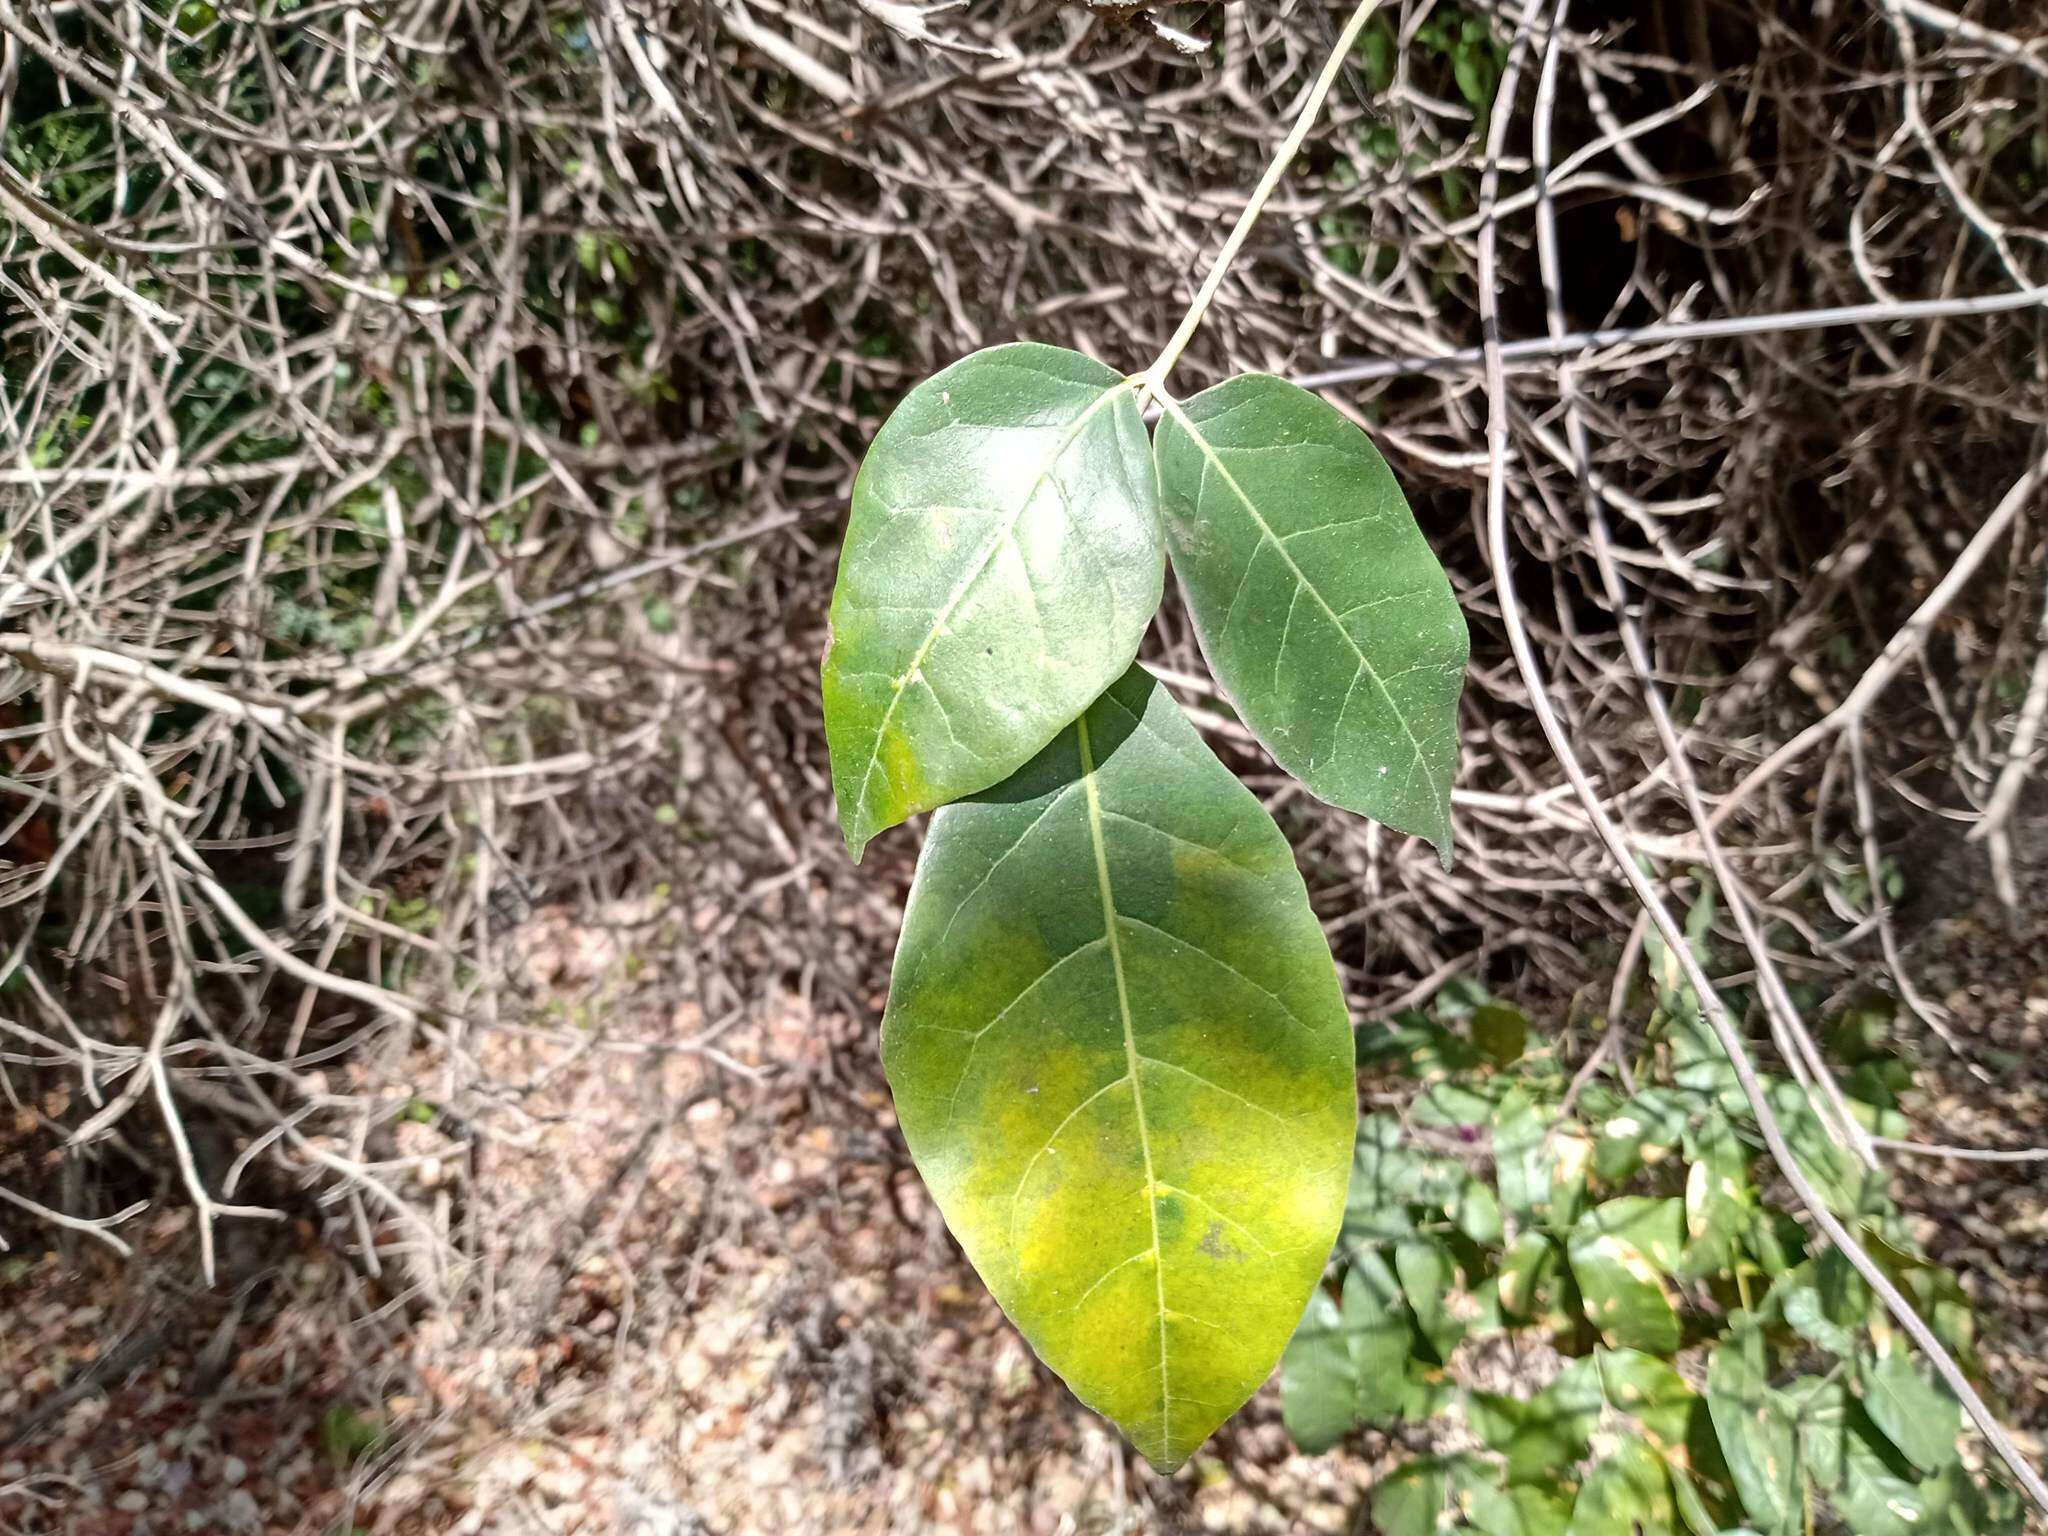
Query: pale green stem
[1153, 380]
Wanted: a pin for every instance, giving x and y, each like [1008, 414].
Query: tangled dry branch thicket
[426, 429]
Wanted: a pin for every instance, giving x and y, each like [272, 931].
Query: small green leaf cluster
[1718, 1370]
[1117, 1044]
[1451, 56]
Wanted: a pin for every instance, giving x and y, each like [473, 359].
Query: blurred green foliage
[1719, 1368]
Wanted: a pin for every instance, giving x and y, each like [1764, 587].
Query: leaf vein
[1030, 1166]
[953, 1101]
[1175, 837]
[1215, 1087]
[1131, 1058]
[1221, 964]
[1103, 1279]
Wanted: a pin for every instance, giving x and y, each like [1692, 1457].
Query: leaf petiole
[1154, 378]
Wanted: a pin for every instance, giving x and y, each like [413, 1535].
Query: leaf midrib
[914, 672]
[1131, 1065]
[1215, 462]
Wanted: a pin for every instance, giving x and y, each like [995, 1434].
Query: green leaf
[1778, 1240]
[1718, 1199]
[1541, 1437]
[1877, 1496]
[1528, 1276]
[1642, 1131]
[1626, 1494]
[1378, 1328]
[1412, 1500]
[1933, 1288]
[1799, 1298]
[1689, 1494]
[1701, 1067]
[1540, 1166]
[1810, 1321]
[1654, 1227]
[1920, 1418]
[1387, 1177]
[1124, 1067]
[1349, 1366]
[1323, 613]
[1448, 1105]
[1651, 1392]
[1425, 1497]
[1459, 997]
[1818, 1409]
[1318, 1383]
[1846, 1294]
[1002, 561]
[1648, 1396]
[1832, 1168]
[1428, 1391]
[1428, 1276]
[1754, 1433]
[1940, 1297]
[1419, 1047]
[1620, 1253]
[1960, 1505]
[1471, 1498]
[1523, 1511]
[1474, 1212]
[1500, 1031]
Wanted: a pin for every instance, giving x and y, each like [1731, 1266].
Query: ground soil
[713, 1298]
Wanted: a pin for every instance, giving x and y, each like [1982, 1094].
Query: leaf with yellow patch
[1123, 1065]
[1620, 1254]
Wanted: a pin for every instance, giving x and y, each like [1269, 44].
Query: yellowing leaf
[1123, 1064]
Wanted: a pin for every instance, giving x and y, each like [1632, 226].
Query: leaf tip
[1165, 1461]
[857, 838]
